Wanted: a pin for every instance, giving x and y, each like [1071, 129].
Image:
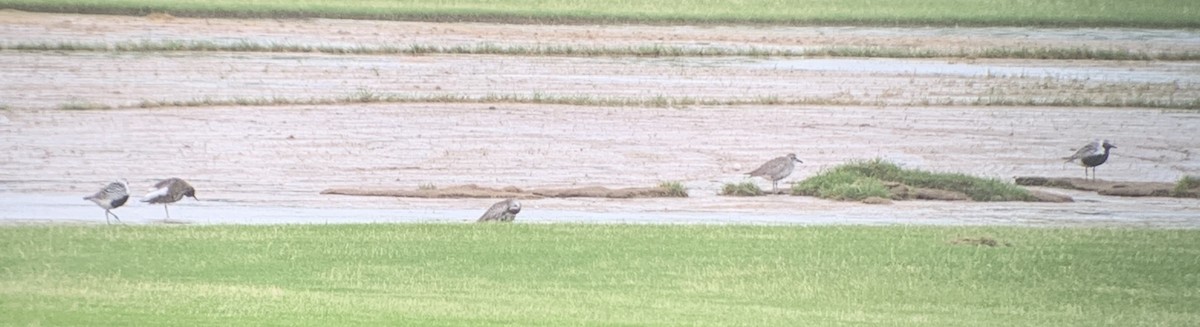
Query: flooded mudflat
[1090, 211]
[258, 165]
[60, 80]
[264, 164]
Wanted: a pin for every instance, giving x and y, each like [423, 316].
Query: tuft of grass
[1063, 13]
[82, 105]
[595, 275]
[658, 101]
[841, 184]
[674, 189]
[426, 187]
[1044, 53]
[862, 179]
[746, 188]
[369, 96]
[1187, 187]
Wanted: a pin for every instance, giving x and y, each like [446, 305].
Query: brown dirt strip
[1115, 188]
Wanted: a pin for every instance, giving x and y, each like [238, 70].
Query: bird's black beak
[798, 160]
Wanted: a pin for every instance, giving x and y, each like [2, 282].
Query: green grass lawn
[1146, 13]
[555, 275]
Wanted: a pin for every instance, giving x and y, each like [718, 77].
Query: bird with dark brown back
[169, 191]
[1091, 155]
[776, 169]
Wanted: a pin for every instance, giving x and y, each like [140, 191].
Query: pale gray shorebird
[503, 211]
[1091, 155]
[169, 191]
[776, 169]
[111, 197]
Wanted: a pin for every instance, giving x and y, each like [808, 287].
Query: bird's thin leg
[775, 187]
[168, 211]
[106, 221]
[114, 216]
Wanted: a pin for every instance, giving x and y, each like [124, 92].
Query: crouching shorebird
[776, 169]
[503, 211]
[169, 191]
[111, 197]
[1090, 156]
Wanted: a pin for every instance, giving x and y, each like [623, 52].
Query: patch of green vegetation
[1187, 187]
[1092, 13]
[594, 51]
[859, 180]
[674, 189]
[368, 96]
[595, 275]
[841, 184]
[746, 188]
[82, 105]
[658, 101]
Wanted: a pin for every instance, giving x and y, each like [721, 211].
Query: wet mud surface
[269, 164]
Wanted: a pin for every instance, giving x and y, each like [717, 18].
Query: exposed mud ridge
[1103, 187]
[475, 191]
[905, 192]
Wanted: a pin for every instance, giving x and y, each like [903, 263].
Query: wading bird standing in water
[503, 211]
[776, 169]
[169, 191]
[1091, 155]
[111, 197]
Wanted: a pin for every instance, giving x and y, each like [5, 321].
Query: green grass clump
[675, 189]
[1094, 13]
[841, 185]
[656, 50]
[1187, 187]
[81, 105]
[746, 188]
[859, 180]
[595, 275]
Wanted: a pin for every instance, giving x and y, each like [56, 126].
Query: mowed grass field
[1148, 13]
[555, 275]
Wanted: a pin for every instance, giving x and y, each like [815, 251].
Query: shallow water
[1090, 211]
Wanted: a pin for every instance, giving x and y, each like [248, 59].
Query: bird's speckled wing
[115, 190]
[1087, 150]
[769, 167]
[165, 183]
[496, 212]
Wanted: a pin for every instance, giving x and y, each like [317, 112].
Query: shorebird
[776, 169]
[168, 191]
[1089, 156]
[111, 197]
[504, 211]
